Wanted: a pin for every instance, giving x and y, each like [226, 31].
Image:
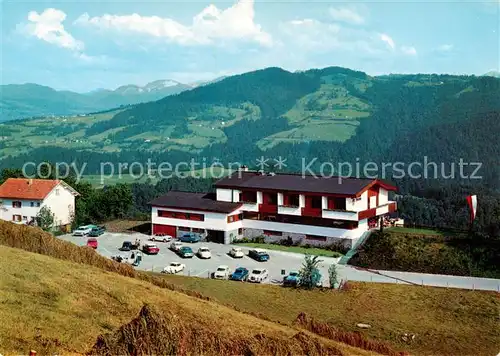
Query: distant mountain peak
[493, 73]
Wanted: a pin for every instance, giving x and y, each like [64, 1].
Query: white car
[83, 230]
[174, 267]
[258, 275]
[222, 272]
[159, 238]
[236, 252]
[176, 246]
[204, 252]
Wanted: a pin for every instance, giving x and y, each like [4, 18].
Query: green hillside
[334, 113]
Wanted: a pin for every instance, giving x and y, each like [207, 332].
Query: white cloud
[210, 25]
[346, 15]
[445, 47]
[411, 51]
[387, 39]
[47, 26]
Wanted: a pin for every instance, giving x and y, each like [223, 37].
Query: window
[233, 218]
[16, 217]
[57, 191]
[316, 202]
[16, 204]
[240, 231]
[25, 218]
[182, 216]
[315, 238]
[272, 233]
[32, 204]
[38, 204]
[183, 228]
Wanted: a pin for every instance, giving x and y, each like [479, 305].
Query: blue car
[191, 238]
[292, 279]
[259, 255]
[239, 274]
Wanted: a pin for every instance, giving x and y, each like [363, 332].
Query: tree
[332, 275]
[309, 274]
[45, 218]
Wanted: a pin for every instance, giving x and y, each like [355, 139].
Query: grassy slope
[68, 305]
[446, 321]
[431, 251]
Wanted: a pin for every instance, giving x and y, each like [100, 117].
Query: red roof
[22, 188]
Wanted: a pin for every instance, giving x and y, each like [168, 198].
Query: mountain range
[332, 114]
[19, 101]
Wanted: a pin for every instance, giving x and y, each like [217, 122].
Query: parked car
[174, 267]
[161, 238]
[83, 230]
[236, 252]
[222, 272]
[150, 249]
[129, 246]
[239, 274]
[259, 255]
[292, 279]
[175, 246]
[258, 275]
[97, 231]
[204, 252]
[191, 238]
[186, 252]
[92, 242]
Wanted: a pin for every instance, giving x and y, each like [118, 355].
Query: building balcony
[340, 215]
[250, 206]
[267, 208]
[313, 212]
[289, 210]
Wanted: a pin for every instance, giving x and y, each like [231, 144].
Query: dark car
[192, 238]
[97, 231]
[292, 279]
[259, 255]
[239, 274]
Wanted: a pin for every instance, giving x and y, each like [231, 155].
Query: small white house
[21, 199]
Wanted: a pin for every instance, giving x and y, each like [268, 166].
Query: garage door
[165, 229]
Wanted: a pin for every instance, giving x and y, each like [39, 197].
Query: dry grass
[54, 306]
[445, 321]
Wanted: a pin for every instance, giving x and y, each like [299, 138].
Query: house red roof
[22, 188]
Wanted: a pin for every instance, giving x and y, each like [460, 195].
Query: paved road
[110, 242]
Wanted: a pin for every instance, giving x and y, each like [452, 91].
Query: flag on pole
[472, 201]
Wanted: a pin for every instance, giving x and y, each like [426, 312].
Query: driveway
[279, 260]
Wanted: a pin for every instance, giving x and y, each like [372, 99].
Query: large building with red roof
[21, 199]
[315, 210]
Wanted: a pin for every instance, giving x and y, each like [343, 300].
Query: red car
[150, 249]
[92, 242]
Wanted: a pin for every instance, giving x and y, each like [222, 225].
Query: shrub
[259, 240]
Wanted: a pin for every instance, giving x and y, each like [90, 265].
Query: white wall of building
[224, 194]
[259, 197]
[280, 199]
[7, 211]
[302, 201]
[303, 229]
[62, 204]
[324, 203]
[213, 221]
[236, 195]
[383, 196]
[357, 204]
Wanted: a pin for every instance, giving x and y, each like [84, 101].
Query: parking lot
[109, 244]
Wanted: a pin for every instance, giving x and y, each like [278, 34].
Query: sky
[86, 45]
